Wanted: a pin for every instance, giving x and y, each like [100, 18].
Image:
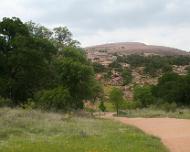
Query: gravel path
[174, 133]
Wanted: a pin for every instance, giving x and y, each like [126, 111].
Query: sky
[93, 22]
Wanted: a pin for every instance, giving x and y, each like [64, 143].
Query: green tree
[39, 31]
[97, 91]
[77, 75]
[102, 106]
[98, 68]
[186, 89]
[57, 98]
[173, 88]
[127, 76]
[116, 65]
[24, 61]
[143, 95]
[34, 58]
[167, 68]
[135, 60]
[63, 38]
[188, 69]
[116, 98]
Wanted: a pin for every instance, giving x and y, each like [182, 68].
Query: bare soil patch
[174, 133]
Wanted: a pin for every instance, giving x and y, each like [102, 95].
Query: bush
[127, 76]
[188, 69]
[169, 107]
[173, 107]
[55, 99]
[116, 65]
[135, 60]
[108, 75]
[143, 95]
[98, 68]
[151, 69]
[133, 105]
[173, 87]
[102, 106]
[30, 104]
[5, 102]
[167, 68]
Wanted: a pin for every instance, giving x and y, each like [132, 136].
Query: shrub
[167, 68]
[173, 87]
[30, 104]
[133, 105]
[98, 68]
[143, 95]
[188, 69]
[135, 60]
[108, 75]
[173, 107]
[102, 106]
[127, 76]
[169, 107]
[5, 102]
[116, 65]
[55, 99]
[151, 69]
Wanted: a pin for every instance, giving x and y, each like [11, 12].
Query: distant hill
[136, 48]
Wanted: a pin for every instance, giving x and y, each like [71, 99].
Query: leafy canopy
[24, 60]
[116, 98]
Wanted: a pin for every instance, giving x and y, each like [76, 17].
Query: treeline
[154, 64]
[43, 66]
[171, 89]
[137, 60]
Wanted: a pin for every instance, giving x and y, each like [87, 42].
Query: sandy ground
[174, 133]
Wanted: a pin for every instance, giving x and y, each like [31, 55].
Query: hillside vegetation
[146, 80]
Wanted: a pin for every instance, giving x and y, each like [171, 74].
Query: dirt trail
[174, 133]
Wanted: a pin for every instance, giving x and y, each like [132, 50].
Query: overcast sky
[159, 22]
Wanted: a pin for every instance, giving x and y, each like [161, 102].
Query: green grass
[35, 131]
[155, 112]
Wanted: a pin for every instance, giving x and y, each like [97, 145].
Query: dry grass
[36, 131]
[155, 112]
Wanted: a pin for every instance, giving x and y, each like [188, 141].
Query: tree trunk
[117, 110]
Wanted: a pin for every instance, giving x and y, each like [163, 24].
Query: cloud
[151, 35]
[92, 22]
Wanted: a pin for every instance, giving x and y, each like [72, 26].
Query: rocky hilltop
[135, 48]
[143, 74]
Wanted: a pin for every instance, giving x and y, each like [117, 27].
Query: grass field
[35, 131]
[153, 113]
